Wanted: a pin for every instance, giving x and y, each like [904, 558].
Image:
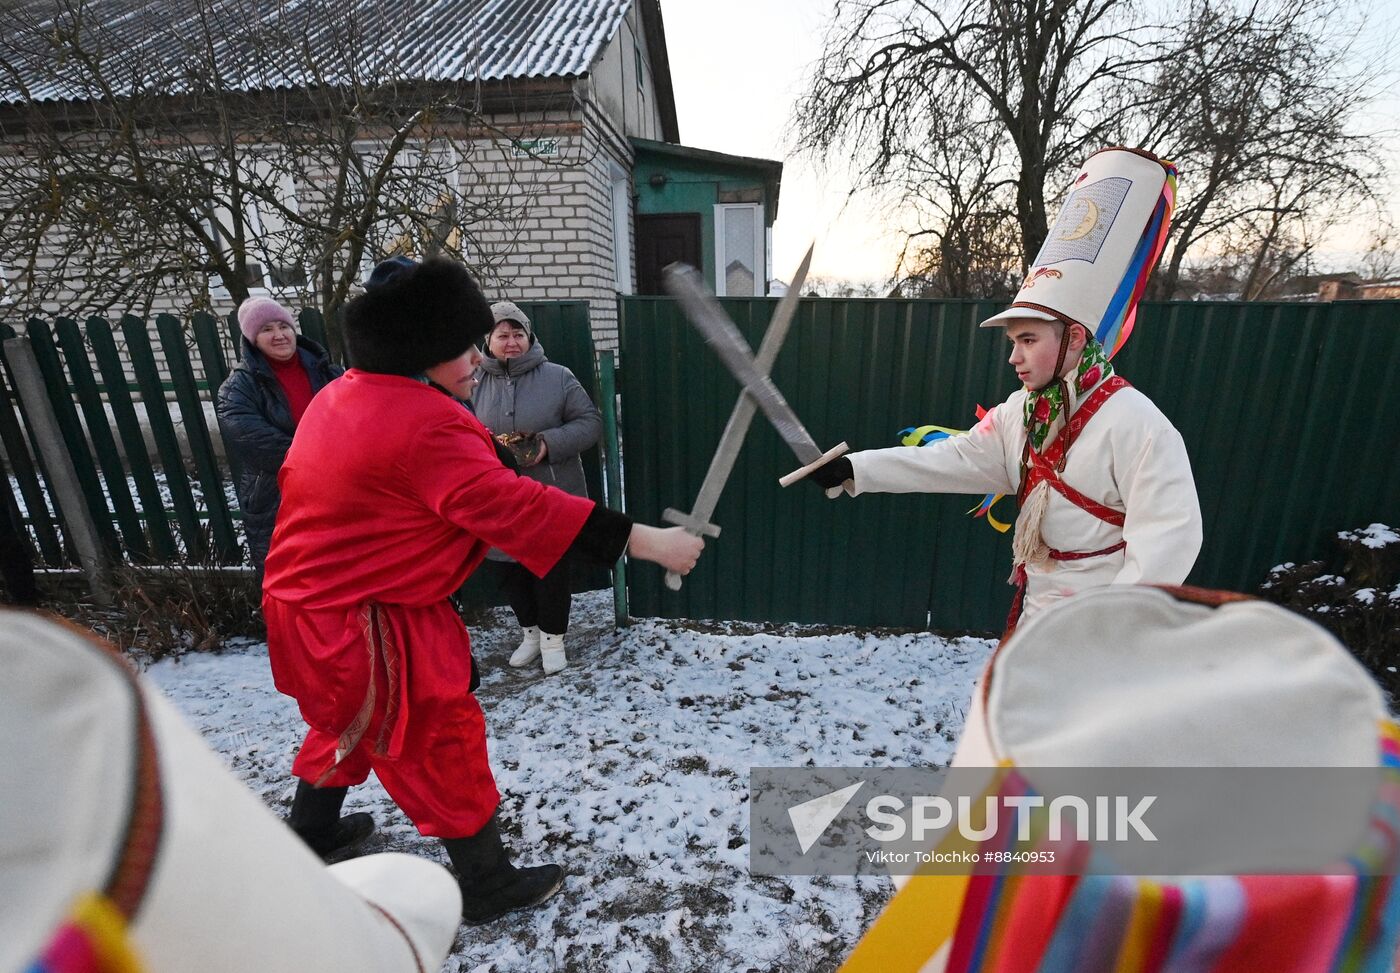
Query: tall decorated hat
[126, 846]
[1274, 727]
[1094, 264]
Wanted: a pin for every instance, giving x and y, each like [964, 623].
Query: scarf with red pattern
[1045, 407]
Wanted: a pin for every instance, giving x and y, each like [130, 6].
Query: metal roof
[421, 40]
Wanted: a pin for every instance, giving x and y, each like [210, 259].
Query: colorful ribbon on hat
[925, 435]
[1116, 325]
[988, 923]
[92, 940]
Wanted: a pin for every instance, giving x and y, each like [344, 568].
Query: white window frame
[219, 215]
[408, 157]
[767, 260]
[621, 195]
[760, 264]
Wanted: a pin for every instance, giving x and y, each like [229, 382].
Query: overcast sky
[738, 66]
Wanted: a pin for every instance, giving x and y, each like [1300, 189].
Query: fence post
[612, 473]
[72, 507]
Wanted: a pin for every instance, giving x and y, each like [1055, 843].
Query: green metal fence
[1289, 412]
[172, 504]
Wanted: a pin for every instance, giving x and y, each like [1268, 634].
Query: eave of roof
[767, 166]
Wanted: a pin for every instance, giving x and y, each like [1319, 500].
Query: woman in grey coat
[541, 412]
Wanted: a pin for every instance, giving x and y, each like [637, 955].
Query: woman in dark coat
[259, 406]
[541, 410]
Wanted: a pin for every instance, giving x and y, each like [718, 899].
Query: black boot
[316, 819]
[491, 885]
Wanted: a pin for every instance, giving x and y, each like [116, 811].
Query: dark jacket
[255, 422]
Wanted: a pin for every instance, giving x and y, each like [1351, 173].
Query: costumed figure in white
[1284, 864]
[1103, 478]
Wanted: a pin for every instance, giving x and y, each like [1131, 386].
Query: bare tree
[971, 116]
[820, 286]
[1035, 84]
[1257, 106]
[240, 150]
[961, 232]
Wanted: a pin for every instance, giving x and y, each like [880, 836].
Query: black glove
[833, 474]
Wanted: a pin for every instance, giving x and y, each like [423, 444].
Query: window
[271, 253]
[641, 84]
[621, 228]
[422, 197]
[740, 269]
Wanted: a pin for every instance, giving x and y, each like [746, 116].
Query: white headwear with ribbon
[122, 831]
[1140, 677]
[1095, 261]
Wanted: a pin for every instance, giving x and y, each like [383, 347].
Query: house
[563, 97]
[707, 209]
[1352, 288]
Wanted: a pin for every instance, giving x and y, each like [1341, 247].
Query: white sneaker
[552, 653]
[529, 647]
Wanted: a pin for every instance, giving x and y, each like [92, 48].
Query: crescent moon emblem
[1087, 224]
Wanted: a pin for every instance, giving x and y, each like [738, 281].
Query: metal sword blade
[730, 442]
[721, 334]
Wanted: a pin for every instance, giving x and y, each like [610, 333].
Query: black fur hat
[420, 316]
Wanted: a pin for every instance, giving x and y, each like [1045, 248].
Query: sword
[697, 522]
[686, 284]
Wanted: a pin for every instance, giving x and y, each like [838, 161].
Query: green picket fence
[172, 505]
[1288, 412]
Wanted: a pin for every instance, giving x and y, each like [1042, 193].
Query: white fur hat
[107, 790]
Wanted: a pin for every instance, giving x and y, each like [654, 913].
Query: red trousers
[385, 688]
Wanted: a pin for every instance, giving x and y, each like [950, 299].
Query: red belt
[1020, 579]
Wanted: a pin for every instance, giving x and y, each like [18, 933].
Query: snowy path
[631, 769]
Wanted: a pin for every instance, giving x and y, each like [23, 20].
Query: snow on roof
[426, 40]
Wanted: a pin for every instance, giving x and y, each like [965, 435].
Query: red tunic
[391, 496]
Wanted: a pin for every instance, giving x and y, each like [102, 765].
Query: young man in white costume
[1102, 476]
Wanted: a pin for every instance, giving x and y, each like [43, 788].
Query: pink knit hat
[257, 311]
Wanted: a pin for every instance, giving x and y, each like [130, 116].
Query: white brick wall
[555, 243]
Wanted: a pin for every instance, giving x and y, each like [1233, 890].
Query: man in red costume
[392, 493]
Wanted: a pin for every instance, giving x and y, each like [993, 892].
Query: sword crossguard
[696, 526]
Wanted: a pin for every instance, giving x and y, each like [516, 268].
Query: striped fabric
[1116, 325]
[1345, 923]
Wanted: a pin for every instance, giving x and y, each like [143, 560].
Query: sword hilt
[693, 525]
[789, 479]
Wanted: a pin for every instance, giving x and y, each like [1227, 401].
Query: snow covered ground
[631, 769]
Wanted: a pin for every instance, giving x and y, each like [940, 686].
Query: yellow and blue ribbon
[924, 435]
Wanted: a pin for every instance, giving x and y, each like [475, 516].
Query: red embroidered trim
[1046, 466]
[1020, 579]
[398, 927]
[351, 736]
[135, 861]
[1040, 470]
[389, 656]
[1203, 596]
[1055, 451]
